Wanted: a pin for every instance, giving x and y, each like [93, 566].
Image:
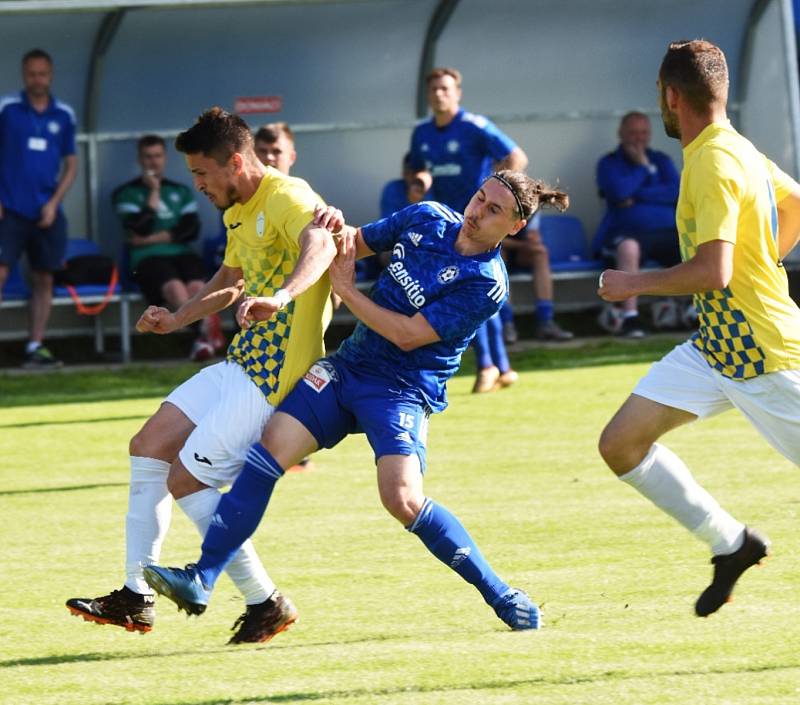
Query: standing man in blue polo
[37, 166]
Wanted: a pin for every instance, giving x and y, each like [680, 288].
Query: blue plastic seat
[566, 242]
[15, 288]
[77, 247]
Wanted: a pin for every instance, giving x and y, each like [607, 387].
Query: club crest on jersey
[318, 377]
[53, 127]
[447, 274]
[397, 270]
[452, 146]
[260, 224]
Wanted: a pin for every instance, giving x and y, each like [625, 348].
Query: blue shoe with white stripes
[181, 585]
[518, 611]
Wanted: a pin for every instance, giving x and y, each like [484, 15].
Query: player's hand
[342, 271]
[257, 308]
[329, 218]
[150, 180]
[157, 319]
[47, 215]
[614, 285]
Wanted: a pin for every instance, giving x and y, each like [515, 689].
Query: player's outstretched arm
[788, 223]
[220, 291]
[711, 268]
[407, 333]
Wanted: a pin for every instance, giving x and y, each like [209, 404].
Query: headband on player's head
[508, 185]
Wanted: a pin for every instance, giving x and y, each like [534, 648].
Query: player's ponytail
[531, 194]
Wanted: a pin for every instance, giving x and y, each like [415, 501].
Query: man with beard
[279, 250]
[738, 215]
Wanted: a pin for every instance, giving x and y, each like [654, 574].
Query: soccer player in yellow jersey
[278, 249]
[738, 215]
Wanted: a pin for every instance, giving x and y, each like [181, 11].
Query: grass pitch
[381, 620]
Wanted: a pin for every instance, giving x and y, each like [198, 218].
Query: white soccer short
[684, 380]
[229, 413]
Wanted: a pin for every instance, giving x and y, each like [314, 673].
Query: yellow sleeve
[231, 258]
[292, 208]
[717, 186]
[781, 182]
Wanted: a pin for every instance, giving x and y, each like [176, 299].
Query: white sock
[666, 482]
[147, 521]
[246, 569]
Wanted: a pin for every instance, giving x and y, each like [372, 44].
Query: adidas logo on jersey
[403, 436]
[460, 556]
[415, 238]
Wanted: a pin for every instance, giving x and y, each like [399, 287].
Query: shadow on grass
[65, 422]
[69, 488]
[374, 694]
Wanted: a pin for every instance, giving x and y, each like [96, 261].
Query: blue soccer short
[45, 247]
[333, 400]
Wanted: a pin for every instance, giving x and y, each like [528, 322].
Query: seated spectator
[525, 250]
[640, 187]
[274, 146]
[160, 220]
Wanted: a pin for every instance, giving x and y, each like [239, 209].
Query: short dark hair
[146, 141]
[697, 68]
[271, 132]
[217, 134]
[37, 54]
[631, 115]
[441, 72]
[532, 194]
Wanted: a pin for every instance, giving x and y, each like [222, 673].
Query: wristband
[284, 298]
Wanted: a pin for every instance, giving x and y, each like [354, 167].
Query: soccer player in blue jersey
[444, 279]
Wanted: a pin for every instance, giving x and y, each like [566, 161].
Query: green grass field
[381, 620]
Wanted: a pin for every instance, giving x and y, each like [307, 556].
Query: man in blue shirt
[444, 279]
[37, 136]
[640, 186]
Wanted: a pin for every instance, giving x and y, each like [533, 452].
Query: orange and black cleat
[122, 608]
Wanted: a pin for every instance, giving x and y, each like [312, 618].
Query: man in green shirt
[160, 220]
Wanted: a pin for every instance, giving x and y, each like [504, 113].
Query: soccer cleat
[122, 608]
[181, 585]
[263, 621]
[550, 330]
[201, 351]
[486, 381]
[518, 611]
[631, 328]
[728, 569]
[211, 329]
[507, 378]
[41, 359]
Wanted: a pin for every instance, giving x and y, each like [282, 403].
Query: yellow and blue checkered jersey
[729, 191]
[263, 240]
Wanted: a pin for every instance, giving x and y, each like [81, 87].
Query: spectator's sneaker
[263, 621]
[507, 378]
[122, 608]
[202, 350]
[510, 335]
[41, 359]
[181, 585]
[486, 381]
[550, 330]
[518, 611]
[631, 328]
[304, 465]
[727, 570]
[212, 331]
[610, 318]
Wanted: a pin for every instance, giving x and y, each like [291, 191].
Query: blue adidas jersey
[459, 155]
[455, 293]
[32, 145]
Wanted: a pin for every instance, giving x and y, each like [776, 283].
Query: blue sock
[238, 513]
[483, 357]
[447, 539]
[506, 312]
[544, 310]
[497, 347]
